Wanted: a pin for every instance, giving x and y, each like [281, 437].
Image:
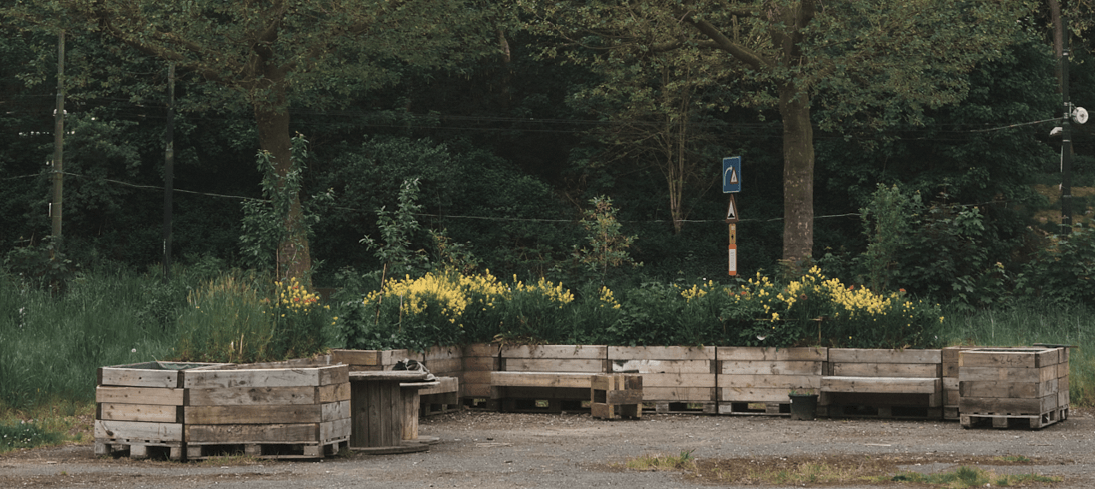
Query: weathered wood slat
[252, 433]
[588, 352]
[540, 379]
[881, 385]
[481, 364]
[733, 367]
[678, 394]
[243, 396]
[333, 411]
[628, 353]
[678, 380]
[1009, 357]
[149, 413]
[996, 405]
[755, 394]
[857, 355]
[138, 377]
[262, 414]
[887, 369]
[140, 395]
[1021, 390]
[554, 365]
[444, 385]
[332, 393]
[136, 430]
[1008, 374]
[220, 379]
[663, 366]
[733, 353]
[770, 381]
[338, 429]
[481, 350]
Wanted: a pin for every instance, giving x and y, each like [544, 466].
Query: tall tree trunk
[272, 118]
[798, 174]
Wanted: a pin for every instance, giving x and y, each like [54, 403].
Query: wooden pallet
[743, 408]
[266, 450]
[1005, 421]
[709, 407]
[614, 396]
[677, 375]
[138, 449]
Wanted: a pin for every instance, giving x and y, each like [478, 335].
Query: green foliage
[25, 435]
[968, 477]
[398, 229]
[1062, 270]
[886, 222]
[42, 266]
[607, 247]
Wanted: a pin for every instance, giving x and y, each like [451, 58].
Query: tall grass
[50, 347]
[1027, 324]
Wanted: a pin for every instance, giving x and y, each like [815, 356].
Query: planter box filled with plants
[1004, 387]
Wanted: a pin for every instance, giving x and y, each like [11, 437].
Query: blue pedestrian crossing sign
[731, 174]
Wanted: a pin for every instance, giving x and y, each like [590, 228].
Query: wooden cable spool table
[384, 411]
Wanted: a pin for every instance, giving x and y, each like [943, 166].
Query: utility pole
[1066, 137]
[58, 145]
[168, 171]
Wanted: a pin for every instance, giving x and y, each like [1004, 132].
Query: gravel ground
[492, 450]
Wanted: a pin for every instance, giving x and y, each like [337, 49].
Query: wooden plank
[678, 394]
[663, 366]
[1020, 390]
[682, 380]
[475, 390]
[138, 377]
[136, 430]
[858, 355]
[587, 352]
[208, 379]
[149, 413]
[886, 369]
[554, 365]
[252, 433]
[481, 350]
[262, 414]
[881, 385]
[439, 353]
[487, 364]
[996, 405]
[444, 385]
[1008, 357]
[770, 368]
[332, 393]
[409, 414]
[951, 397]
[140, 395]
[1062, 370]
[480, 377]
[244, 396]
[754, 354]
[1062, 398]
[785, 382]
[442, 366]
[528, 392]
[950, 383]
[628, 353]
[332, 411]
[1008, 374]
[540, 379]
[338, 429]
[333, 374]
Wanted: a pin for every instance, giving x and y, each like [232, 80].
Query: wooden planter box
[675, 378]
[950, 380]
[139, 406]
[1001, 386]
[882, 383]
[756, 380]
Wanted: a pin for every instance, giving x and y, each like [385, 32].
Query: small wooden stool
[614, 396]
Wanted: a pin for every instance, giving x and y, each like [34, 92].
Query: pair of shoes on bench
[414, 366]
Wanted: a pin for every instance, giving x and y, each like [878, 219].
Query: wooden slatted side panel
[671, 374]
[1011, 381]
[479, 360]
[555, 358]
[949, 357]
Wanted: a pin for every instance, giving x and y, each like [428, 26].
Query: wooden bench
[530, 391]
[882, 383]
[441, 398]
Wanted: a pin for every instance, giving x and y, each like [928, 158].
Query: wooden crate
[273, 410]
[675, 378]
[139, 408]
[614, 396]
[1003, 386]
[882, 383]
[757, 381]
[949, 357]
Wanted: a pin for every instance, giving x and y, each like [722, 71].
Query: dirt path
[492, 450]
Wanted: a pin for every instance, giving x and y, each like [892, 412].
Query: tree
[884, 62]
[274, 55]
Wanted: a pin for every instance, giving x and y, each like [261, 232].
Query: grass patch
[965, 477]
[50, 424]
[684, 461]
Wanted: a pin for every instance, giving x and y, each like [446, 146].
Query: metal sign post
[731, 184]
